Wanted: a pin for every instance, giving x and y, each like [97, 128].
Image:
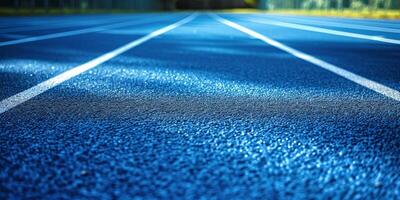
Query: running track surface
[199, 106]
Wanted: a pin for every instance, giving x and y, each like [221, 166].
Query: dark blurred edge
[26, 7]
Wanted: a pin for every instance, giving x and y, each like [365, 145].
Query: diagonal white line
[40, 88]
[328, 31]
[377, 87]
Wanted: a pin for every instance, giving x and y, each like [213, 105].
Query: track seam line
[370, 84]
[42, 87]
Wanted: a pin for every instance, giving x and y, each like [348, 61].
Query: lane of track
[343, 25]
[7, 23]
[365, 82]
[61, 23]
[204, 111]
[25, 65]
[71, 31]
[367, 22]
[70, 23]
[374, 60]
[43, 87]
[340, 32]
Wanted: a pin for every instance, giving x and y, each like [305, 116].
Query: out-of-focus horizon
[143, 5]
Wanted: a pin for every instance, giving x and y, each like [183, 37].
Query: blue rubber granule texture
[202, 112]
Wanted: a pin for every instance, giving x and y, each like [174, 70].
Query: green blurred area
[388, 9]
[330, 4]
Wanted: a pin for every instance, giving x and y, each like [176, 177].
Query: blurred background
[201, 4]
[65, 6]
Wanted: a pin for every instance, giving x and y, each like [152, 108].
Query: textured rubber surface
[201, 112]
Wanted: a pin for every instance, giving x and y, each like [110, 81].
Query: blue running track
[200, 111]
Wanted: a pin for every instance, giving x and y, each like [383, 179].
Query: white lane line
[68, 33]
[338, 24]
[40, 88]
[328, 31]
[377, 87]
